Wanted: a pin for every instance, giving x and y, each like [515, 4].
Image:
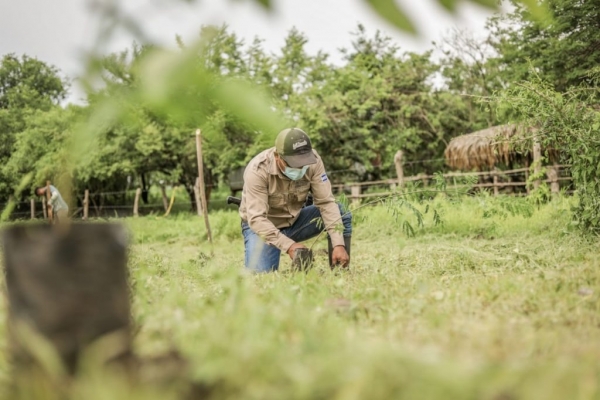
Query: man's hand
[340, 257]
[293, 248]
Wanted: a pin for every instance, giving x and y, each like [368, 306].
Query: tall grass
[499, 302]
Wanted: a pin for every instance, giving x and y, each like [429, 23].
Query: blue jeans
[261, 257]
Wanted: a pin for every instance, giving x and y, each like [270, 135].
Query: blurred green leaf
[391, 12]
[249, 104]
[264, 3]
[10, 206]
[487, 3]
[449, 5]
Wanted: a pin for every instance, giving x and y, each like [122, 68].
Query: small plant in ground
[406, 201]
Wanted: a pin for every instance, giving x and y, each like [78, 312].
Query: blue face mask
[295, 173]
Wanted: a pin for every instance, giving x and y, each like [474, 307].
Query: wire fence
[123, 203]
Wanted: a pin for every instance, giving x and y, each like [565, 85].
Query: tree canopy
[379, 99]
[27, 85]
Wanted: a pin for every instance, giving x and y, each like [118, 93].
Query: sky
[60, 32]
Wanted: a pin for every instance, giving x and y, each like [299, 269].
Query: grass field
[488, 305]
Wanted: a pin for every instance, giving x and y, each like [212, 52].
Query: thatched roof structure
[483, 149]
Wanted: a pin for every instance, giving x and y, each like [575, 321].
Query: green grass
[488, 305]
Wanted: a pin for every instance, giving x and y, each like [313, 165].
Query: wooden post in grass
[527, 176]
[66, 289]
[355, 195]
[49, 209]
[495, 177]
[537, 160]
[553, 178]
[399, 170]
[136, 201]
[32, 204]
[201, 182]
[197, 196]
[44, 210]
[423, 178]
[86, 204]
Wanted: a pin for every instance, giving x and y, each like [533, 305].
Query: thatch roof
[484, 149]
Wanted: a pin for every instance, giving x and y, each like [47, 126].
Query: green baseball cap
[293, 145]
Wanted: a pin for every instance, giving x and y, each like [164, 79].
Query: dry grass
[484, 149]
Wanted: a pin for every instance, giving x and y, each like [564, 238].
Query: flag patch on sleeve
[324, 177]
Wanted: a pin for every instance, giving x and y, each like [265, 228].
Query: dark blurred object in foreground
[69, 315]
[68, 287]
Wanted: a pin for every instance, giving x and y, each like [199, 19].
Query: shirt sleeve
[320, 187]
[256, 198]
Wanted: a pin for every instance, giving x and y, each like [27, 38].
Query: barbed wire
[99, 208]
[132, 191]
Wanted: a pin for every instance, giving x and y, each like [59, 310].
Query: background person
[276, 184]
[59, 207]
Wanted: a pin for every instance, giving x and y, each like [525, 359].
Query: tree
[470, 70]
[26, 85]
[147, 142]
[568, 121]
[40, 145]
[378, 103]
[29, 83]
[562, 49]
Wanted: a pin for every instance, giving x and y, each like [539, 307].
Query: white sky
[60, 31]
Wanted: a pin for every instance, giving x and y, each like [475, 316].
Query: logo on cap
[299, 144]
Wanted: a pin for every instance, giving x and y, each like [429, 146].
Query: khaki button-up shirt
[271, 201]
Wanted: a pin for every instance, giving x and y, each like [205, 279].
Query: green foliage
[29, 83]
[150, 131]
[471, 71]
[26, 85]
[562, 49]
[391, 11]
[139, 125]
[41, 145]
[502, 207]
[378, 103]
[568, 122]
[23, 185]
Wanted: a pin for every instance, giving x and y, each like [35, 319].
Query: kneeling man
[274, 217]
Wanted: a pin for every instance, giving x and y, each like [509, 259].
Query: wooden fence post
[423, 178]
[527, 166]
[355, 195]
[165, 199]
[86, 204]
[537, 161]
[399, 170]
[201, 182]
[553, 177]
[32, 203]
[45, 211]
[495, 177]
[197, 196]
[136, 202]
